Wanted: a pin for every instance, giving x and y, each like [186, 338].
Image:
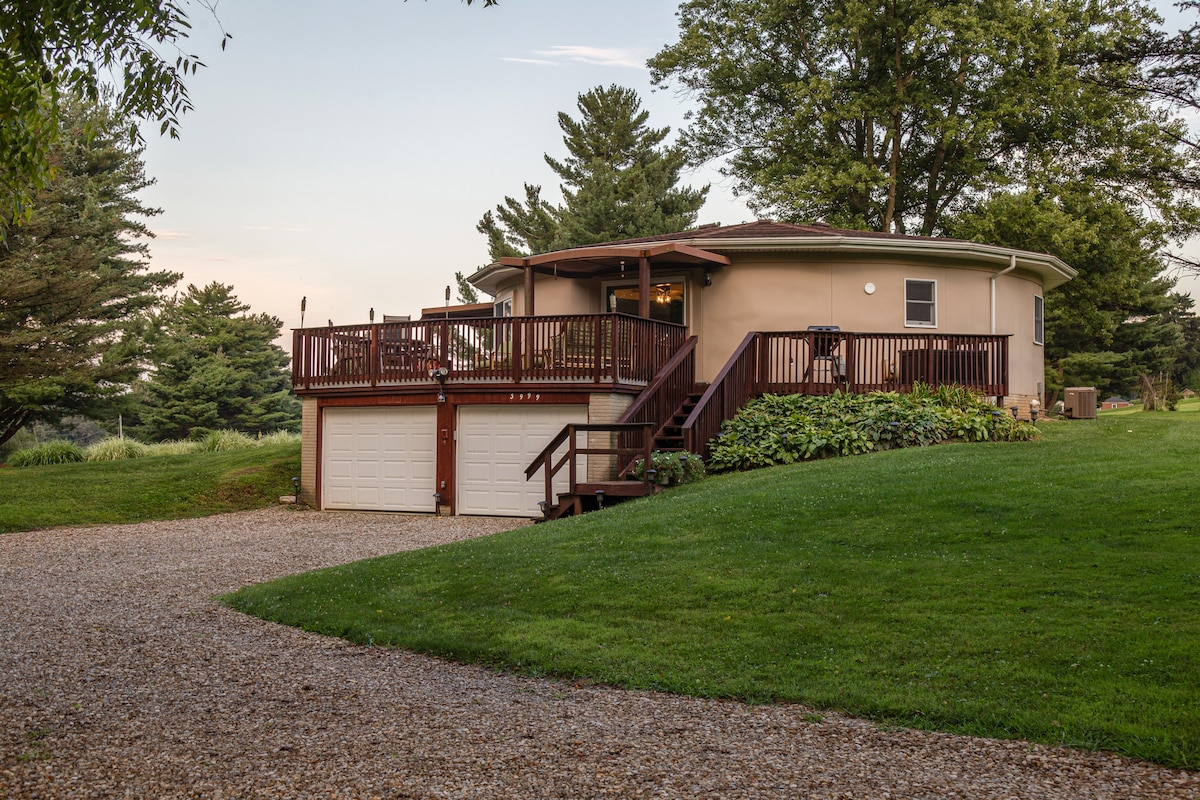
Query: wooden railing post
[374, 356]
[518, 355]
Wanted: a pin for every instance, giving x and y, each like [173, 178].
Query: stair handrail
[661, 384]
[545, 459]
[663, 396]
[733, 387]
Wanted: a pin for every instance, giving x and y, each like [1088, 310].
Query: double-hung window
[920, 303]
[1039, 320]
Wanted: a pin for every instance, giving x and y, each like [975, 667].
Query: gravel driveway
[120, 677]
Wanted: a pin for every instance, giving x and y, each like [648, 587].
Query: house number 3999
[525, 396]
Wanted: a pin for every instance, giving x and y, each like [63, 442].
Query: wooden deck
[614, 349]
[824, 362]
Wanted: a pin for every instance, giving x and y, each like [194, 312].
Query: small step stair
[588, 497]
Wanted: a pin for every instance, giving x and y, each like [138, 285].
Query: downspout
[1012, 264]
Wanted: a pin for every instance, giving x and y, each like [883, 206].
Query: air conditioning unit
[1079, 402]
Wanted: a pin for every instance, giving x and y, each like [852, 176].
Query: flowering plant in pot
[671, 468]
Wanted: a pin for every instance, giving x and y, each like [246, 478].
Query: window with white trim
[1039, 320]
[503, 307]
[920, 303]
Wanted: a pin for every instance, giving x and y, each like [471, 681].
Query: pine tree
[74, 277]
[619, 181]
[215, 367]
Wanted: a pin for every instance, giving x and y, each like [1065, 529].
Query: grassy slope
[159, 487]
[1047, 591]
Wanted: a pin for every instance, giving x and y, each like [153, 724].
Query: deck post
[644, 287]
[529, 312]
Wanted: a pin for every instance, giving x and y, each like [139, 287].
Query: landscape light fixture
[599, 499]
[1035, 406]
[296, 487]
[437, 503]
[1014, 411]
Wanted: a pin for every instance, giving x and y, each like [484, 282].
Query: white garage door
[495, 445]
[379, 459]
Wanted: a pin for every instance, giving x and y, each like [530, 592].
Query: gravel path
[120, 677]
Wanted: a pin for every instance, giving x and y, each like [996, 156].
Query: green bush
[46, 454]
[225, 441]
[782, 429]
[114, 449]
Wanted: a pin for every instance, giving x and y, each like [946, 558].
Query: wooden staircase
[654, 421]
[670, 435]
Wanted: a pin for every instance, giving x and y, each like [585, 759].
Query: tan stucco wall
[788, 291]
[308, 451]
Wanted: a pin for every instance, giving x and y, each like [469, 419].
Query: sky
[344, 152]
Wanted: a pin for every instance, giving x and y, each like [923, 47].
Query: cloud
[582, 54]
[538, 61]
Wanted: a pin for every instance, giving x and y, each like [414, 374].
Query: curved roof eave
[1053, 270]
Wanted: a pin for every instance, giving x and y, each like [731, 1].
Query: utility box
[1079, 402]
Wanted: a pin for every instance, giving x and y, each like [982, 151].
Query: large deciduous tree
[55, 48]
[213, 367]
[618, 181]
[75, 275]
[897, 115]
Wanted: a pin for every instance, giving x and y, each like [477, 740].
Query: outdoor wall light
[708, 277]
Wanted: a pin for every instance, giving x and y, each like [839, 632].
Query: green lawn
[1191, 405]
[158, 487]
[1046, 590]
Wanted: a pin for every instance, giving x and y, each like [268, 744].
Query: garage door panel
[379, 459]
[495, 445]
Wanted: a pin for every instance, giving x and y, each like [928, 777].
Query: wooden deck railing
[823, 362]
[598, 348]
[733, 387]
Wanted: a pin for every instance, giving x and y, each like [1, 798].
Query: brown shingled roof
[766, 228]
